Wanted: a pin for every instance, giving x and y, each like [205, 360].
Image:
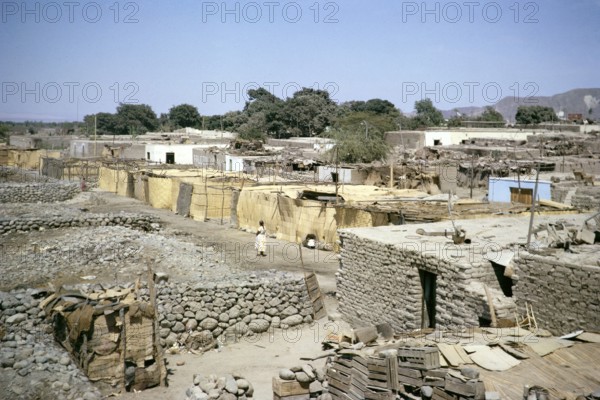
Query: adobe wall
[379, 283]
[565, 297]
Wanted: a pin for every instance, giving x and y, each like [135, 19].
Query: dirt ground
[256, 358]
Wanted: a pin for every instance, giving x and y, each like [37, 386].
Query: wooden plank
[289, 388]
[295, 397]
[589, 337]
[450, 354]
[493, 359]
[545, 346]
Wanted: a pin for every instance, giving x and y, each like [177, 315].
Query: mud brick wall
[380, 283]
[38, 193]
[565, 297]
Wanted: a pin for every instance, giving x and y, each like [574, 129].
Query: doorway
[428, 289]
[521, 195]
[170, 158]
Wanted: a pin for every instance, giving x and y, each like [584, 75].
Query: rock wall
[587, 198]
[194, 315]
[32, 364]
[565, 297]
[22, 224]
[38, 193]
[380, 283]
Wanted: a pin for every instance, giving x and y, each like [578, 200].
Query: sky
[63, 60]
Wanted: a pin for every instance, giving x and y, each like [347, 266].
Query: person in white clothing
[261, 239]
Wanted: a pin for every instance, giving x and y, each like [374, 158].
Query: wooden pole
[205, 198]
[159, 351]
[391, 174]
[535, 190]
[491, 306]
[472, 175]
[337, 173]
[123, 345]
[222, 198]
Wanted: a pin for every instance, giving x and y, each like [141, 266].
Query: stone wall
[194, 315]
[35, 193]
[565, 297]
[32, 364]
[14, 224]
[380, 283]
[587, 198]
[12, 174]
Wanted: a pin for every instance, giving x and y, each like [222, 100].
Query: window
[437, 142]
[147, 155]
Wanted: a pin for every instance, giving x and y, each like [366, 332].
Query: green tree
[265, 113]
[135, 119]
[184, 116]
[527, 115]
[309, 112]
[356, 146]
[368, 120]
[106, 123]
[427, 114]
[490, 115]
[4, 132]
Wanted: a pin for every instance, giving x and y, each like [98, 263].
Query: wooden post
[391, 174]
[535, 189]
[472, 176]
[205, 198]
[222, 198]
[491, 306]
[123, 344]
[159, 351]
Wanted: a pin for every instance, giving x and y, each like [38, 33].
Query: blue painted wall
[499, 189]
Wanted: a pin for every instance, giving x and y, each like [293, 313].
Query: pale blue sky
[195, 52]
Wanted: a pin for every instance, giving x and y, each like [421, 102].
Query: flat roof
[488, 235]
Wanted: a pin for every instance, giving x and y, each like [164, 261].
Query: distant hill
[576, 101]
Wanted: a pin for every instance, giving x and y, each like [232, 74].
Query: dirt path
[257, 359]
[233, 245]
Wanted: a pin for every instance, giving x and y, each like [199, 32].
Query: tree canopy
[527, 115]
[130, 119]
[183, 116]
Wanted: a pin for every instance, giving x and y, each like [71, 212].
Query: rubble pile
[227, 387]
[301, 382]
[37, 192]
[32, 364]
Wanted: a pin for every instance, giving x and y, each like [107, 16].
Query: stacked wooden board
[355, 375]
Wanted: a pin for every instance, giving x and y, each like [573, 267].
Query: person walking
[261, 240]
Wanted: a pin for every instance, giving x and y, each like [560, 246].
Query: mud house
[416, 276]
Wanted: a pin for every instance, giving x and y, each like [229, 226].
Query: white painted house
[166, 153]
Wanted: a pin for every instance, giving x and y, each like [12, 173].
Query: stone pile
[227, 387]
[32, 365]
[29, 223]
[38, 192]
[195, 316]
[11, 174]
[301, 382]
